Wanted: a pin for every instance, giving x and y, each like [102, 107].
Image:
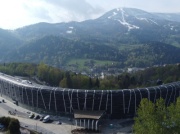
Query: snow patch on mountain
[69, 32]
[147, 20]
[154, 22]
[129, 26]
[143, 19]
[125, 23]
[171, 27]
[114, 14]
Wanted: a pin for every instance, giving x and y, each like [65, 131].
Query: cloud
[77, 6]
[37, 9]
[154, 5]
[148, 5]
[54, 11]
[75, 9]
[17, 13]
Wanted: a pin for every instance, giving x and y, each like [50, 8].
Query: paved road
[123, 126]
[45, 128]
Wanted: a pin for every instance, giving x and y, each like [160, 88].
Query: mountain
[170, 16]
[114, 24]
[8, 42]
[125, 36]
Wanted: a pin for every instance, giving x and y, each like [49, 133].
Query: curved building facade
[117, 103]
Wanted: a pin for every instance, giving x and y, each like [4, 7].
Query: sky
[18, 13]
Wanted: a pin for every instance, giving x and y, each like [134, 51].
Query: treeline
[55, 77]
[166, 74]
[66, 79]
[148, 77]
[50, 75]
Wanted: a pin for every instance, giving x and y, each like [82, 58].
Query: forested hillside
[59, 52]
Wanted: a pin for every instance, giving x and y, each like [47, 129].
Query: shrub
[11, 124]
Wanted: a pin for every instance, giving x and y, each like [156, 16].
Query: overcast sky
[18, 13]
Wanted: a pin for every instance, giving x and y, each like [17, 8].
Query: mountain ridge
[98, 26]
[119, 36]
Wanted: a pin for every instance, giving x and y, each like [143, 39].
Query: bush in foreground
[11, 124]
[157, 118]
